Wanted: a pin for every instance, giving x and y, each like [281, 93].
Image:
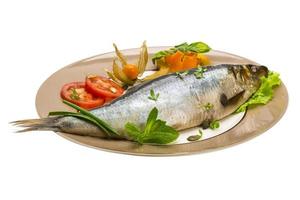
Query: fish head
[257, 71]
[241, 85]
[247, 78]
[252, 74]
[249, 75]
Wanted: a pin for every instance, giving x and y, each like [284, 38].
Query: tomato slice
[76, 93]
[103, 87]
[109, 99]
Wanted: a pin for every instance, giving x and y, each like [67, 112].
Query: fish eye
[254, 69]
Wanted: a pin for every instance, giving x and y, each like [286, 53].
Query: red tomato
[75, 92]
[103, 87]
[108, 99]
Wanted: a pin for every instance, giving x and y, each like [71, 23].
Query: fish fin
[46, 124]
[225, 101]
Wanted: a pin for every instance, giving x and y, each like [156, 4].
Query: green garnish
[86, 115]
[153, 96]
[208, 106]
[182, 74]
[214, 124]
[265, 92]
[161, 54]
[155, 131]
[195, 137]
[197, 47]
[74, 95]
[199, 72]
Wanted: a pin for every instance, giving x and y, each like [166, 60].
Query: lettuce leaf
[265, 92]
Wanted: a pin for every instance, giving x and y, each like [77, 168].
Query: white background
[38, 37]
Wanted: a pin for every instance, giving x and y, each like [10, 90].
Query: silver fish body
[181, 103]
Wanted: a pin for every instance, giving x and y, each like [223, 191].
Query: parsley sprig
[153, 96]
[182, 74]
[199, 72]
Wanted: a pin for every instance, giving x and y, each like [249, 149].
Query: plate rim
[71, 137]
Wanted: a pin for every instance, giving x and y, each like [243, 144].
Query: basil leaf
[133, 131]
[159, 55]
[156, 131]
[151, 120]
[161, 137]
[199, 47]
[181, 45]
[161, 133]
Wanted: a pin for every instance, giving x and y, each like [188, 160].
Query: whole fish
[184, 100]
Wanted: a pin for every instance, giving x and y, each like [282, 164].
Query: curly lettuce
[265, 92]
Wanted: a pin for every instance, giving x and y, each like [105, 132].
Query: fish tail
[46, 124]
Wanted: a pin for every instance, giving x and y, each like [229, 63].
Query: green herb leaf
[184, 44]
[199, 72]
[184, 47]
[160, 133]
[161, 54]
[195, 137]
[182, 74]
[265, 92]
[74, 95]
[200, 132]
[156, 131]
[151, 120]
[208, 106]
[133, 132]
[153, 96]
[214, 124]
[199, 47]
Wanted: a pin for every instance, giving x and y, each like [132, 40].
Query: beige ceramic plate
[254, 122]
